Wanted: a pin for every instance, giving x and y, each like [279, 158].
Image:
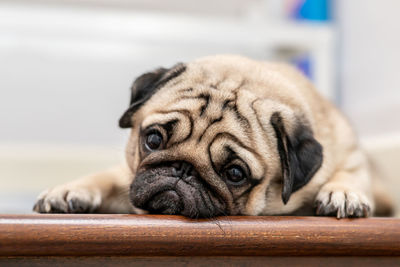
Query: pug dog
[227, 135]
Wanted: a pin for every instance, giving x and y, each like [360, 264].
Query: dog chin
[164, 190]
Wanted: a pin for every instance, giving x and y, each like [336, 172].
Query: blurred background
[66, 67]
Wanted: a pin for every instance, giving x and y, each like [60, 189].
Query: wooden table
[148, 240]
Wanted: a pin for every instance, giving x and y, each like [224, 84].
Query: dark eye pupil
[154, 140]
[235, 174]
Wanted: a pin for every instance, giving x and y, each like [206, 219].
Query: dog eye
[154, 140]
[235, 175]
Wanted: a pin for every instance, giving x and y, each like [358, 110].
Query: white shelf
[119, 29]
[129, 25]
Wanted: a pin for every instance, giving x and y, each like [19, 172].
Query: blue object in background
[304, 64]
[314, 10]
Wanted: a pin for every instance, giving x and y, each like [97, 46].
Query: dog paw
[334, 200]
[63, 199]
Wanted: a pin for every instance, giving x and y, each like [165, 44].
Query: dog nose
[182, 169]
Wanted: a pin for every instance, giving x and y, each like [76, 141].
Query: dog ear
[145, 86]
[300, 154]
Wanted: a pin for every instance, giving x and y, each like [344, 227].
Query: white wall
[370, 64]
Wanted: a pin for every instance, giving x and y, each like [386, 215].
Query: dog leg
[348, 192]
[106, 192]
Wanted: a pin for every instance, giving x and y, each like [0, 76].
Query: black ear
[145, 86]
[300, 153]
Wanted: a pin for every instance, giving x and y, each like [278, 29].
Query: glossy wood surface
[150, 235]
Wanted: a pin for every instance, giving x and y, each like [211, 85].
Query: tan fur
[343, 182]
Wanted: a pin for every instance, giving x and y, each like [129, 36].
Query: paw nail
[71, 206]
[319, 209]
[47, 207]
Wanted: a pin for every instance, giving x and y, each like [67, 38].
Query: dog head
[222, 135]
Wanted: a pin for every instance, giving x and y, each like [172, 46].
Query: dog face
[218, 136]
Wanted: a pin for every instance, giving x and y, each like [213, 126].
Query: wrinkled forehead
[209, 115]
[202, 90]
[197, 110]
[208, 76]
